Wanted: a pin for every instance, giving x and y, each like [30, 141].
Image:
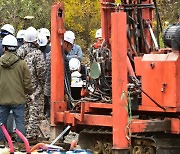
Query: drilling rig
[134, 106]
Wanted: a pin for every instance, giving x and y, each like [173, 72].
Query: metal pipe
[60, 135]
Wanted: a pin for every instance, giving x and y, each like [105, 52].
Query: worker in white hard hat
[67, 46]
[94, 48]
[98, 39]
[78, 76]
[47, 56]
[74, 65]
[98, 34]
[15, 81]
[34, 58]
[76, 68]
[42, 42]
[5, 30]
[68, 41]
[76, 51]
[20, 37]
[47, 33]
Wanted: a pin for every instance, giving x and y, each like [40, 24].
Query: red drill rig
[123, 113]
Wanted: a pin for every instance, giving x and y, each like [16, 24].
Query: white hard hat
[69, 36]
[9, 40]
[9, 28]
[20, 34]
[98, 33]
[45, 31]
[74, 64]
[31, 35]
[76, 74]
[42, 40]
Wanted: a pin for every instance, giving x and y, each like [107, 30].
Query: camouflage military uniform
[35, 103]
[47, 87]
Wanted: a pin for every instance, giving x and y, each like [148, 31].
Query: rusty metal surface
[154, 125]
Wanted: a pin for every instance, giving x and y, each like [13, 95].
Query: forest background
[81, 16]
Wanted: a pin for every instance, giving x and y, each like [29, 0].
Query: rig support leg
[55, 131]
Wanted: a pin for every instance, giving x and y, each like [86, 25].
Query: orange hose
[37, 146]
[73, 145]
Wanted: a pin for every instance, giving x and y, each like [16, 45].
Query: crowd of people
[25, 74]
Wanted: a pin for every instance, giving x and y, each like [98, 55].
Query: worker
[98, 39]
[34, 58]
[20, 37]
[15, 81]
[42, 42]
[47, 86]
[5, 30]
[76, 51]
[98, 34]
[47, 33]
[46, 49]
[67, 47]
[76, 68]
[78, 76]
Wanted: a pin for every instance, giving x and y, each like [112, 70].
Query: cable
[137, 83]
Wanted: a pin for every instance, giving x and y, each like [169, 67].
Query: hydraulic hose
[68, 90]
[6, 134]
[136, 82]
[24, 139]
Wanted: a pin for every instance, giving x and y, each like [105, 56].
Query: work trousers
[34, 115]
[18, 113]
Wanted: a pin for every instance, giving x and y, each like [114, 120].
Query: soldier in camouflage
[34, 58]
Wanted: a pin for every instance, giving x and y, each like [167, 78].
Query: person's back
[12, 75]
[47, 50]
[15, 82]
[34, 58]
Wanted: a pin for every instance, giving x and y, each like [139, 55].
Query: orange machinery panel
[160, 79]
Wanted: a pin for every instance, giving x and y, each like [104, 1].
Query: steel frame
[113, 25]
